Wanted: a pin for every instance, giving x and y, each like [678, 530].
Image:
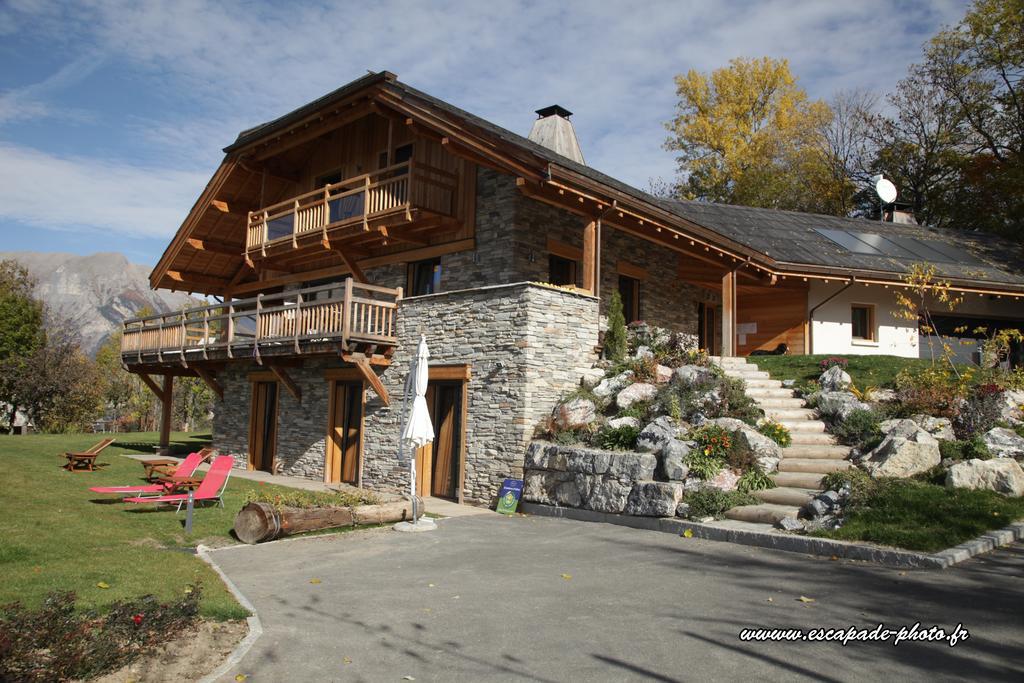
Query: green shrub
[861, 429]
[568, 437]
[754, 479]
[860, 482]
[615, 336]
[712, 440]
[979, 412]
[834, 361]
[617, 438]
[736, 403]
[933, 475]
[708, 501]
[704, 465]
[965, 450]
[777, 432]
[932, 391]
[674, 407]
[57, 642]
[641, 410]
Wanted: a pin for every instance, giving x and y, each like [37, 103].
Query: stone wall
[526, 345]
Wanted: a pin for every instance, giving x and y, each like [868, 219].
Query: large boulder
[1013, 406]
[631, 466]
[1002, 475]
[654, 499]
[543, 455]
[541, 486]
[672, 460]
[902, 427]
[628, 421]
[656, 434]
[1004, 443]
[575, 413]
[609, 386]
[641, 391]
[903, 453]
[939, 427]
[834, 379]
[746, 439]
[837, 404]
[662, 374]
[604, 495]
[692, 375]
[725, 480]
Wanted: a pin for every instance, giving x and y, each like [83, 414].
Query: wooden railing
[403, 186]
[345, 312]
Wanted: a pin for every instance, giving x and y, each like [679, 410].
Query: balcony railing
[396, 189]
[283, 324]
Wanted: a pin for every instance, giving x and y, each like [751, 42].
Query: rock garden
[663, 432]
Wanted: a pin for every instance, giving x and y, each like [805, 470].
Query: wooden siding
[779, 313]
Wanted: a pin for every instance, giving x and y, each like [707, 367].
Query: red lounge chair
[185, 469]
[211, 488]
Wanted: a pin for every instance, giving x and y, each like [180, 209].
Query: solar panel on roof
[886, 245]
[953, 254]
[848, 241]
[919, 250]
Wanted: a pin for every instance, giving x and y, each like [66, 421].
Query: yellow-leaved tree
[748, 134]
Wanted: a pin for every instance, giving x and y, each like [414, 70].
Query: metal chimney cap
[554, 110]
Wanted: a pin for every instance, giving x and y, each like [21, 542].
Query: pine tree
[615, 336]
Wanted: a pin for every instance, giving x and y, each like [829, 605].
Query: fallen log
[258, 522]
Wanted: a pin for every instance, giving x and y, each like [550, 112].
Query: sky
[113, 114]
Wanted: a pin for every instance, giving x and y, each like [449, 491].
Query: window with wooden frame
[629, 290]
[424, 277]
[563, 264]
[862, 321]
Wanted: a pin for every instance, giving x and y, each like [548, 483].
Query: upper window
[562, 271]
[425, 277]
[862, 319]
[629, 290]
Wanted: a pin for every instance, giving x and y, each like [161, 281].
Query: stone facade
[526, 345]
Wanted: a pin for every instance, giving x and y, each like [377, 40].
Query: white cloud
[68, 193]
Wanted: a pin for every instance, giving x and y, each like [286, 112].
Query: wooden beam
[591, 252]
[153, 386]
[187, 279]
[353, 267]
[282, 375]
[400, 237]
[729, 314]
[211, 381]
[166, 405]
[363, 366]
[214, 246]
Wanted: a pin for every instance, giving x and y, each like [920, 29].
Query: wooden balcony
[337, 317]
[343, 210]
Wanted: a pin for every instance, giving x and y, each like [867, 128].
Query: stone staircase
[812, 455]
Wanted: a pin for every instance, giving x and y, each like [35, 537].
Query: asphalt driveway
[494, 598]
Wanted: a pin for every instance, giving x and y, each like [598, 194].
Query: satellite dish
[886, 190]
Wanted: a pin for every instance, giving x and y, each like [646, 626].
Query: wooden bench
[85, 461]
[157, 468]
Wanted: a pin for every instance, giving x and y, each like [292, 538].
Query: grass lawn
[918, 516]
[58, 535]
[866, 371]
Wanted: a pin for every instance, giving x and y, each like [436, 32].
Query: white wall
[831, 330]
[894, 335]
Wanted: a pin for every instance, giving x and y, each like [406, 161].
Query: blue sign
[508, 497]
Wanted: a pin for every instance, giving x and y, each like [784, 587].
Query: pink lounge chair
[211, 488]
[185, 469]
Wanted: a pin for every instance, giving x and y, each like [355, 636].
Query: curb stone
[254, 623]
[808, 545]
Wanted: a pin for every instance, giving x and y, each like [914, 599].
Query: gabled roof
[780, 241]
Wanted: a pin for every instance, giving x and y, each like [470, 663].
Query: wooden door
[707, 329]
[439, 465]
[263, 426]
[345, 432]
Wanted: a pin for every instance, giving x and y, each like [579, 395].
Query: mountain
[95, 293]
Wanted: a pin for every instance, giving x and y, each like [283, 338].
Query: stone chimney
[554, 130]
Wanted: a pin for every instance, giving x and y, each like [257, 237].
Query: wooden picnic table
[154, 466]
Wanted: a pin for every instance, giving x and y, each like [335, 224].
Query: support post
[591, 251]
[729, 314]
[165, 411]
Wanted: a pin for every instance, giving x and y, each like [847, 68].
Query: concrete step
[785, 495]
[813, 465]
[812, 439]
[761, 383]
[783, 403]
[765, 392]
[730, 360]
[804, 426]
[815, 451]
[798, 480]
[791, 414]
[764, 513]
[746, 374]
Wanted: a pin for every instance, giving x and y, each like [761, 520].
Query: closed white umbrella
[417, 429]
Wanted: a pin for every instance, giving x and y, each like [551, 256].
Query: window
[562, 271]
[327, 179]
[862, 319]
[425, 277]
[629, 290]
